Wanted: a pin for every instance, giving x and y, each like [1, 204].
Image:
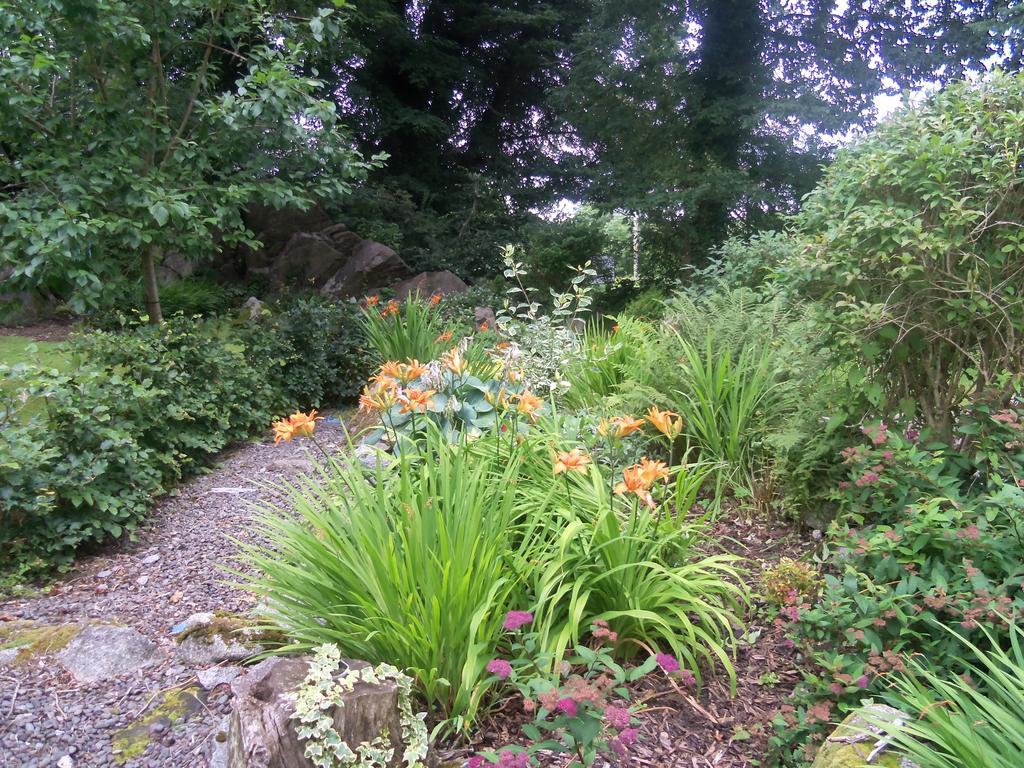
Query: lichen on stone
[32, 639]
[175, 705]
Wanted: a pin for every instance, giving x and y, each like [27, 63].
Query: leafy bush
[920, 274]
[975, 720]
[193, 296]
[410, 330]
[926, 534]
[142, 410]
[322, 355]
[581, 708]
[421, 565]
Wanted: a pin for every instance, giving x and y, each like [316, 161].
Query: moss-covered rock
[174, 707]
[32, 639]
[209, 638]
[855, 739]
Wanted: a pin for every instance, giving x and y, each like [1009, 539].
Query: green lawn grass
[15, 350]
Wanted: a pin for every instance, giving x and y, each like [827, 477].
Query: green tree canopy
[133, 129]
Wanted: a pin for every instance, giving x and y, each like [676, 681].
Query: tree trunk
[150, 257]
[636, 246]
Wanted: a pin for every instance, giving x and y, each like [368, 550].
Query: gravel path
[48, 718]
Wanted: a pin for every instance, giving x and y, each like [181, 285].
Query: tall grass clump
[640, 569]
[416, 568]
[408, 330]
[972, 721]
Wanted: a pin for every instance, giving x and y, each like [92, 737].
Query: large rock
[428, 283]
[262, 731]
[857, 737]
[174, 267]
[274, 227]
[100, 652]
[212, 637]
[371, 267]
[336, 261]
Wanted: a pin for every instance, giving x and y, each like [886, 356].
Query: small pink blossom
[617, 717]
[500, 668]
[628, 737]
[862, 681]
[667, 662]
[475, 762]
[688, 679]
[566, 706]
[516, 619]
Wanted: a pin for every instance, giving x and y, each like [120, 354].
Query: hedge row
[146, 407]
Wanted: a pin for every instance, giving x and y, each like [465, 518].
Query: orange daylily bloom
[372, 301]
[392, 369]
[391, 308]
[570, 461]
[411, 369]
[633, 482]
[454, 361]
[499, 400]
[619, 427]
[502, 346]
[415, 400]
[443, 337]
[669, 423]
[528, 403]
[297, 425]
[380, 398]
[652, 471]
[435, 299]
[483, 327]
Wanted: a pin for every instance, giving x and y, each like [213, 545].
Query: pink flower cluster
[516, 619]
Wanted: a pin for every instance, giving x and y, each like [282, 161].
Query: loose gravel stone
[46, 715]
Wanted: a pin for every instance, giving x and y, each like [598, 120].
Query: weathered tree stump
[262, 731]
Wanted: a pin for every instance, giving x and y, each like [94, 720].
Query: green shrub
[325, 358]
[972, 721]
[926, 534]
[193, 296]
[913, 246]
[145, 408]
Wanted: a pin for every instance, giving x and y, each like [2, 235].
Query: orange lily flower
[297, 425]
[435, 299]
[619, 427]
[633, 482]
[652, 471]
[443, 337]
[528, 404]
[669, 423]
[380, 398]
[570, 461]
[412, 369]
[415, 400]
[391, 308]
[392, 369]
[454, 361]
[483, 327]
[372, 301]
